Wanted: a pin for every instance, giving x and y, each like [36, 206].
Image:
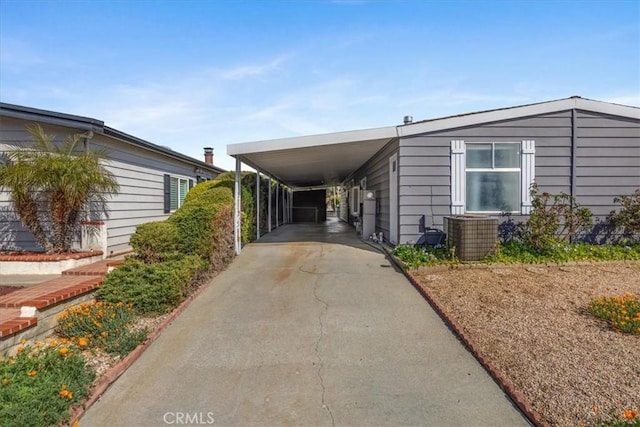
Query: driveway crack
[317, 347]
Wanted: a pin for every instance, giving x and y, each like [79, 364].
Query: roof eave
[518, 112]
[50, 117]
[311, 140]
[125, 137]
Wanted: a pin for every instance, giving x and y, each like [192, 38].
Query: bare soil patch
[531, 322]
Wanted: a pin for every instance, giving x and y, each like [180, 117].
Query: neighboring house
[153, 179]
[480, 163]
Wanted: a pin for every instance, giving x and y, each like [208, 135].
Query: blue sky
[189, 74]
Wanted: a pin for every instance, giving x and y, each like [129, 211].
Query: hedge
[151, 288]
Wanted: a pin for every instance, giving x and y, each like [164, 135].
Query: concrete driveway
[308, 326]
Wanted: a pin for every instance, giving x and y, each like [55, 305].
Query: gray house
[153, 179]
[482, 162]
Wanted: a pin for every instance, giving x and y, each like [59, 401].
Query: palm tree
[53, 186]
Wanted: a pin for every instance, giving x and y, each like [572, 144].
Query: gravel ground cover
[532, 323]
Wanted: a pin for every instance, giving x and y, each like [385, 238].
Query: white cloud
[16, 55]
[243, 71]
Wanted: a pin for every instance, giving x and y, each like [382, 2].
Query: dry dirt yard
[532, 323]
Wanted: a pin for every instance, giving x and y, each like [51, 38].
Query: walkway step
[99, 268]
[72, 283]
[11, 323]
[50, 292]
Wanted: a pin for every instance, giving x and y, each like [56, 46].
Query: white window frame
[459, 171]
[179, 196]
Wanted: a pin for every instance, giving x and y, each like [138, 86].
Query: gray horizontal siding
[139, 172]
[425, 164]
[607, 162]
[376, 170]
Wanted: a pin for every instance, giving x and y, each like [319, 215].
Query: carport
[298, 163]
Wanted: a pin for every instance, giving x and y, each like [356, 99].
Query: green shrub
[414, 257]
[151, 288]
[518, 252]
[227, 180]
[194, 223]
[154, 241]
[621, 312]
[104, 325]
[41, 383]
[554, 218]
[628, 217]
[223, 244]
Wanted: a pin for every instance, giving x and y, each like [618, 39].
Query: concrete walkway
[319, 331]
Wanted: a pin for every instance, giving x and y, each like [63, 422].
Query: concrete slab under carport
[317, 331]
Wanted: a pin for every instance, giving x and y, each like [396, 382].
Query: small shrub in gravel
[516, 252]
[41, 382]
[151, 288]
[97, 324]
[414, 257]
[621, 312]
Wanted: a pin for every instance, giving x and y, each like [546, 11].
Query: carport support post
[291, 207]
[257, 204]
[236, 210]
[269, 208]
[277, 194]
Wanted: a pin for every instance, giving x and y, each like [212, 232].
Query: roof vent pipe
[208, 155]
[408, 120]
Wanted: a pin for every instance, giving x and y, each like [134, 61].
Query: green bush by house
[154, 241]
[194, 222]
[151, 288]
[247, 203]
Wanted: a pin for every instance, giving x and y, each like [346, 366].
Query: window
[491, 176]
[175, 190]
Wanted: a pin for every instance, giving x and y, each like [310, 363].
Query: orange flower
[630, 413]
[5, 381]
[32, 373]
[82, 342]
[63, 394]
[53, 344]
[70, 395]
[19, 349]
[64, 350]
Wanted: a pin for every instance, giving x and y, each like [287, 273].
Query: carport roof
[329, 159]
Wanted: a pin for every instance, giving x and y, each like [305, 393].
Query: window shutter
[458, 187]
[528, 173]
[167, 193]
[190, 184]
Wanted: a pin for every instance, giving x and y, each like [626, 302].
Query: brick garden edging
[112, 374]
[503, 382]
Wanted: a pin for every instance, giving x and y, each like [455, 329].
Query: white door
[393, 199]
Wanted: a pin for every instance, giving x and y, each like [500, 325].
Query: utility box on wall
[472, 236]
[368, 213]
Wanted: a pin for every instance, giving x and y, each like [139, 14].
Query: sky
[193, 73]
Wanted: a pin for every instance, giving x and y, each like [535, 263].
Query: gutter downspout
[574, 155]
